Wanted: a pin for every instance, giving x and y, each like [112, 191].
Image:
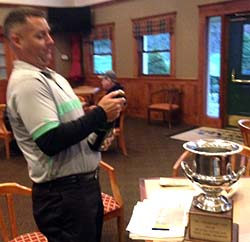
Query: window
[102, 56]
[213, 74]
[156, 54]
[245, 63]
[155, 45]
[99, 50]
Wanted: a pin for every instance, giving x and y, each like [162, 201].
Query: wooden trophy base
[206, 226]
[235, 237]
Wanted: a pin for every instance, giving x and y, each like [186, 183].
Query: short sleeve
[36, 107]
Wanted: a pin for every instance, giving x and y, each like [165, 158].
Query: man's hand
[112, 105]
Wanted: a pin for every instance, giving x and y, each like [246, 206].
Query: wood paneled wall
[138, 91]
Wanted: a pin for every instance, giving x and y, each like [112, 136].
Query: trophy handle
[208, 180]
[187, 170]
[240, 172]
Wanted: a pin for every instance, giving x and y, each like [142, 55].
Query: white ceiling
[54, 3]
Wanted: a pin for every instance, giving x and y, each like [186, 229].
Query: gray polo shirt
[37, 104]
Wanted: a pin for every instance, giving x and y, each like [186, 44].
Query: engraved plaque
[205, 226]
[234, 239]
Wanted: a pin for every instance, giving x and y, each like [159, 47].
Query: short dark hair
[18, 16]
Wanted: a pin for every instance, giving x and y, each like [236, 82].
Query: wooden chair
[84, 102]
[4, 133]
[246, 153]
[10, 191]
[235, 159]
[166, 101]
[113, 204]
[244, 125]
[119, 133]
[177, 165]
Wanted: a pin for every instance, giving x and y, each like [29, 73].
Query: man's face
[33, 42]
[106, 83]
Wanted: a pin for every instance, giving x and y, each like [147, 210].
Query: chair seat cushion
[30, 237]
[109, 203]
[163, 106]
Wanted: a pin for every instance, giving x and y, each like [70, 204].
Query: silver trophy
[212, 172]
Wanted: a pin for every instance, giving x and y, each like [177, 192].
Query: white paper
[174, 205]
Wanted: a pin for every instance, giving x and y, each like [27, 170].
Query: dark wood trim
[138, 91]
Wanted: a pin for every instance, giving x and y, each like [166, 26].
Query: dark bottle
[95, 140]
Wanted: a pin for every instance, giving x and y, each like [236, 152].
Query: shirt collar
[18, 64]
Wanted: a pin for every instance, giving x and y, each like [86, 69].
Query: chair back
[3, 130]
[166, 95]
[8, 190]
[5, 134]
[166, 101]
[9, 193]
[244, 125]
[112, 199]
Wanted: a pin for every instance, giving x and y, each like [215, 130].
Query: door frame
[222, 9]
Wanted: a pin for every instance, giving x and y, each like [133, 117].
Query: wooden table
[88, 92]
[241, 201]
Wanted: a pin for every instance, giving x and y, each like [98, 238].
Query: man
[51, 130]
[110, 83]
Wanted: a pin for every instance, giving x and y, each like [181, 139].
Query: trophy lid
[213, 147]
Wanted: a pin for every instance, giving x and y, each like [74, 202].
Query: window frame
[166, 50]
[102, 31]
[138, 47]
[100, 54]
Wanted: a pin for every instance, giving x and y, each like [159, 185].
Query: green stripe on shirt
[69, 106]
[45, 128]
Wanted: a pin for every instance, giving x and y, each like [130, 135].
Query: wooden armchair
[177, 165]
[10, 191]
[167, 102]
[113, 204]
[4, 133]
[244, 125]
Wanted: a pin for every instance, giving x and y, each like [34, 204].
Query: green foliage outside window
[156, 54]
[157, 64]
[245, 64]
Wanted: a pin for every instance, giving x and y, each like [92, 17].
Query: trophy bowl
[212, 172]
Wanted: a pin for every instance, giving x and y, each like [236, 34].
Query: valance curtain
[101, 32]
[154, 25]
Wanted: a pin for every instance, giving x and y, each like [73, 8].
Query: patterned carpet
[230, 134]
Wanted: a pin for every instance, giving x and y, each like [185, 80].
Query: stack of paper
[163, 216]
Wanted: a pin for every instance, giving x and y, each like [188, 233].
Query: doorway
[229, 101]
[238, 86]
